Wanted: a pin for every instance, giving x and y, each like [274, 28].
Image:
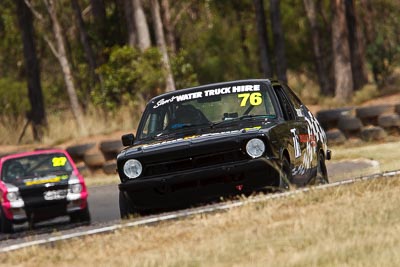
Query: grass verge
[354, 225]
[387, 154]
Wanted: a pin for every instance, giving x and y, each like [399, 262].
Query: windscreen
[39, 165]
[206, 107]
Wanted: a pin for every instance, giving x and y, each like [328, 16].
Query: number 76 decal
[255, 99]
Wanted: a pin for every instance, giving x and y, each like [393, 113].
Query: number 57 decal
[255, 99]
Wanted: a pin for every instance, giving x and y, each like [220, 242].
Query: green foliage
[183, 71]
[384, 52]
[14, 98]
[126, 73]
[10, 39]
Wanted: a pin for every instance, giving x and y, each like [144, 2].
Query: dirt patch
[389, 99]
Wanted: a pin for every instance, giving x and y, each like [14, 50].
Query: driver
[15, 170]
[187, 114]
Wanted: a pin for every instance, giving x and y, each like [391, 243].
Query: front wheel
[81, 216]
[6, 225]
[125, 207]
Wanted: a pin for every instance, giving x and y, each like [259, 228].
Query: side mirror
[128, 139]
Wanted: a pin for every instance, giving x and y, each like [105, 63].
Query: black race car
[212, 141]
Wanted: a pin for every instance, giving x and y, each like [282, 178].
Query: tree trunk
[357, 49]
[99, 15]
[158, 28]
[243, 37]
[368, 20]
[170, 33]
[323, 76]
[65, 66]
[130, 23]
[37, 114]
[341, 53]
[84, 38]
[263, 38]
[142, 28]
[279, 40]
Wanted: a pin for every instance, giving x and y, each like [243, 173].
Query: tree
[130, 23]
[319, 60]
[357, 49]
[341, 53]
[143, 35]
[279, 40]
[37, 115]
[158, 28]
[84, 38]
[61, 55]
[98, 9]
[170, 34]
[263, 41]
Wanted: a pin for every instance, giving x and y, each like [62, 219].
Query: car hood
[223, 139]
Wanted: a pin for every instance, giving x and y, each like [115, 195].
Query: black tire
[95, 159]
[110, 167]
[6, 226]
[372, 133]
[349, 124]
[285, 175]
[82, 216]
[125, 207]
[389, 120]
[373, 111]
[335, 137]
[111, 146]
[77, 151]
[397, 108]
[329, 118]
[322, 173]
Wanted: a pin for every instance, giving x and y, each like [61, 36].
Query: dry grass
[62, 126]
[387, 154]
[355, 225]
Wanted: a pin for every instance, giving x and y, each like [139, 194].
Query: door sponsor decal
[296, 143]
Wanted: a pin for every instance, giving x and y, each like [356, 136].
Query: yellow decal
[255, 99]
[63, 177]
[59, 161]
[253, 128]
[43, 181]
[191, 137]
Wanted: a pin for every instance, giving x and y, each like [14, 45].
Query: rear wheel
[81, 216]
[285, 175]
[322, 174]
[6, 225]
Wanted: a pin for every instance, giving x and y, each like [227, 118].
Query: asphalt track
[104, 209]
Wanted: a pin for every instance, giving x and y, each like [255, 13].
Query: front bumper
[201, 184]
[45, 210]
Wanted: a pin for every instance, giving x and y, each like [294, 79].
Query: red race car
[41, 185]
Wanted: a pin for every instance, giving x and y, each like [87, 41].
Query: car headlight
[255, 148]
[132, 168]
[75, 188]
[12, 196]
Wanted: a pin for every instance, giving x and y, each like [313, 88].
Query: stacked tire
[367, 123]
[96, 157]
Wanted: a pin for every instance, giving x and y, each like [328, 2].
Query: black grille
[194, 162]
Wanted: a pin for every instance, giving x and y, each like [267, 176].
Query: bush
[14, 99]
[128, 72]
